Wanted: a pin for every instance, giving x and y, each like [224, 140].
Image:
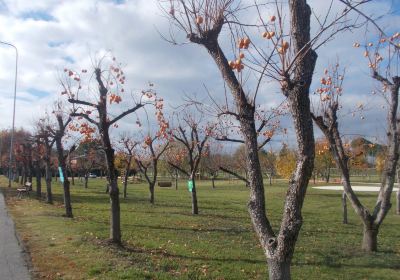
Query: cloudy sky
[54, 34]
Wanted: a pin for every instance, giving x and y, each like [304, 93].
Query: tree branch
[235, 174]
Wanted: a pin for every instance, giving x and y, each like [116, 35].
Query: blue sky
[52, 35]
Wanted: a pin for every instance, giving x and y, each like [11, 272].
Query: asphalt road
[12, 263]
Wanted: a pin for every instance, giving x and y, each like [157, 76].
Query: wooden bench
[26, 189]
[165, 184]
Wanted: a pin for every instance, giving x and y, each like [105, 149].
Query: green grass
[166, 242]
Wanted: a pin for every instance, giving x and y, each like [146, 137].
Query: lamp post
[13, 121]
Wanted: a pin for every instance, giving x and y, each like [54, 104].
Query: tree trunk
[115, 224]
[49, 195]
[151, 188]
[63, 166]
[270, 179]
[115, 215]
[72, 177]
[213, 183]
[126, 186]
[127, 169]
[398, 194]
[398, 202]
[67, 199]
[86, 180]
[344, 202]
[38, 180]
[278, 270]
[21, 181]
[370, 239]
[195, 208]
[328, 175]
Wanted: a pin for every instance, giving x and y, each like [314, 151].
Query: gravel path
[12, 262]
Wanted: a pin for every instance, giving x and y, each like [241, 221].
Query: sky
[55, 34]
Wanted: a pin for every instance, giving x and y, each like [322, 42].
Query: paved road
[12, 263]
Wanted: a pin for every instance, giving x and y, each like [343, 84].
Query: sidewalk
[12, 263]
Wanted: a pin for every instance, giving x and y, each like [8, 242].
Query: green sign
[61, 174]
[190, 185]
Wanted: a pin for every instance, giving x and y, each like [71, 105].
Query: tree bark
[370, 239]
[344, 203]
[398, 194]
[86, 180]
[72, 177]
[151, 189]
[38, 180]
[63, 166]
[49, 194]
[115, 224]
[278, 270]
[195, 208]
[115, 215]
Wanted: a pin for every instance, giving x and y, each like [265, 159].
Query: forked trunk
[278, 269]
[370, 239]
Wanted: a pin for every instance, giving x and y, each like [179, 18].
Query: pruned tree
[127, 153]
[193, 132]
[212, 161]
[174, 159]
[289, 58]
[268, 161]
[94, 109]
[323, 159]
[58, 133]
[147, 158]
[37, 158]
[326, 117]
[47, 143]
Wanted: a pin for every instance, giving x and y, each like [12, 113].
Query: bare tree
[147, 159]
[110, 83]
[291, 61]
[127, 149]
[193, 133]
[326, 117]
[48, 142]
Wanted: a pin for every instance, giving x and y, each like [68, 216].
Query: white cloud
[79, 29]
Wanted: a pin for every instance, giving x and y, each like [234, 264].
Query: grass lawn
[166, 242]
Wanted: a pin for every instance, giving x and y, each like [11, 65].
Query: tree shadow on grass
[165, 254]
[228, 231]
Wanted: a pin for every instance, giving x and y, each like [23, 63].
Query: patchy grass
[166, 242]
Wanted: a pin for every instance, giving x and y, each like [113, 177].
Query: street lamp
[13, 121]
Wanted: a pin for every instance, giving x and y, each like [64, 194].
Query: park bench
[165, 184]
[26, 189]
